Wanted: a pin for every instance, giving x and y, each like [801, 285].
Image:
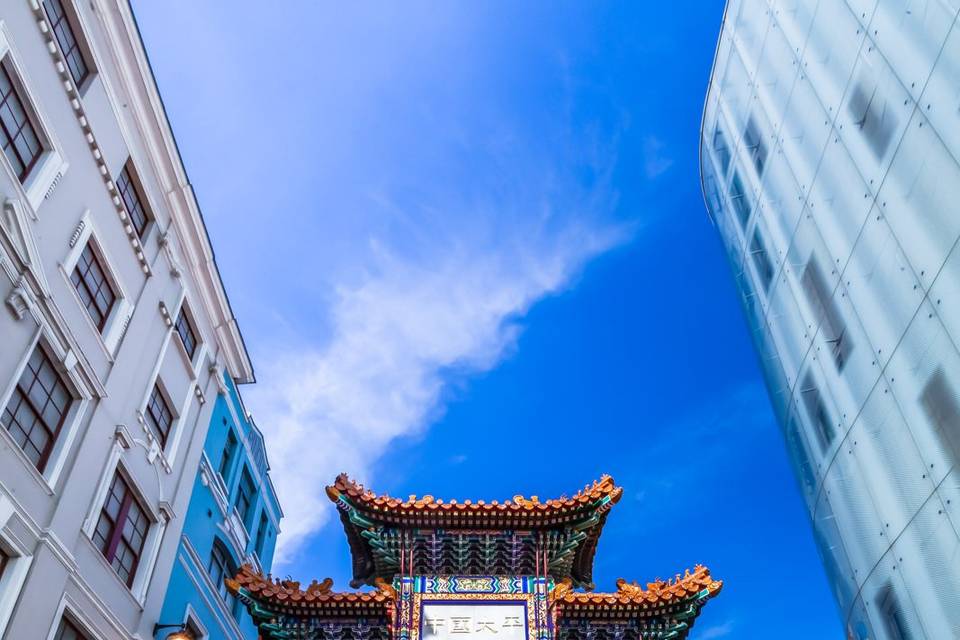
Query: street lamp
[180, 631]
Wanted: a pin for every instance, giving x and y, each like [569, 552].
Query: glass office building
[829, 159]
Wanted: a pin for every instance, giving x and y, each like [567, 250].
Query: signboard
[465, 620]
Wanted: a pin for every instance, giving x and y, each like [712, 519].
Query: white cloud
[398, 335]
[716, 631]
[656, 163]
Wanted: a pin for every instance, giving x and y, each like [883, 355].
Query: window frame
[228, 456]
[940, 405]
[251, 500]
[117, 526]
[101, 264]
[763, 264]
[891, 608]
[261, 536]
[151, 420]
[68, 410]
[19, 561]
[193, 624]
[51, 165]
[755, 145]
[829, 321]
[721, 149]
[71, 19]
[186, 317]
[128, 172]
[68, 621]
[818, 413]
[227, 569]
[74, 613]
[15, 95]
[873, 115]
[741, 198]
[109, 339]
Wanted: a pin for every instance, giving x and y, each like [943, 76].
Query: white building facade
[115, 331]
[829, 158]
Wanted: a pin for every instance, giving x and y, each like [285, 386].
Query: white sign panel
[476, 621]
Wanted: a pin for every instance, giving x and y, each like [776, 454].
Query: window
[720, 148]
[939, 402]
[221, 567]
[133, 200]
[873, 116]
[755, 145]
[4, 559]
[122, 529]
[826, 314]
[37, 408]
[68, 631]
[66, 37]
[187, 335]
[761, 260]
[245, 497]
[21, 142]
[817, 411]
[194, 629]
[229, 451]
[262, 533]
[893, 618]
[95, 291]
[158, 415]
[738, 196]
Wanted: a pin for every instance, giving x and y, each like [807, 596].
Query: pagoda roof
[663, 609]
[530, 512]
[578, 521]
[317, 599]
[697, 585]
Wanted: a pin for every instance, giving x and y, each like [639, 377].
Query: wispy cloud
[655, 161]
[716, 631]
[399, 336]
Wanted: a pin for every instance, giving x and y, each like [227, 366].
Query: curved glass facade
[829, 160]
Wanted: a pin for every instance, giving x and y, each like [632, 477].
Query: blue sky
[468, 252]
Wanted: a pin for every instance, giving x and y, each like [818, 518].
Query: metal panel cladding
[829, 160]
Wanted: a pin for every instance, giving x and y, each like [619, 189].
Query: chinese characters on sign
[486, 621]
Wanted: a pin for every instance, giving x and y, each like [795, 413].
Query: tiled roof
[699, 583]
[518, 507]
[564, 530]
[318, 595]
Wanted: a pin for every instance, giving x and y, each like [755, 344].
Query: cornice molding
[187, 226]
[73, 96]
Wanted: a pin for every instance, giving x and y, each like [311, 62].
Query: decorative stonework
[18, 301]
[78, 111]
[123, 436]
[75, 236]
[175, 269]
[217, 375]
[166, 511]
[53, 185]
[152, 445]
[165, 314]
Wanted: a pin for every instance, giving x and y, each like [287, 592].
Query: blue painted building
[233, 518]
